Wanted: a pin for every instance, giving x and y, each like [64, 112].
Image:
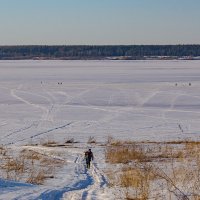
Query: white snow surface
[59, 100]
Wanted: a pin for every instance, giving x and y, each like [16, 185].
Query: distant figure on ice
[88, 158]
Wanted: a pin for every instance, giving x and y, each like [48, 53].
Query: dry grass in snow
[152, 170]
[27, 165]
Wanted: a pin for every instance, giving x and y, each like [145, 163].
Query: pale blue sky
[99, 22]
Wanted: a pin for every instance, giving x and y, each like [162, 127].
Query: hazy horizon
[16, 45]
[94, 22]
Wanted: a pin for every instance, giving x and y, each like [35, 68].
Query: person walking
[88, 157]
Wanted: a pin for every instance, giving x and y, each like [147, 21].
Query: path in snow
[94, 186]
[90, 183]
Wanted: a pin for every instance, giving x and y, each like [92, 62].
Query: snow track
[90, 183]
[50, 130]
[93, 187]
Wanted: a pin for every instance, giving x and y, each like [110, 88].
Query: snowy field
[60, 100]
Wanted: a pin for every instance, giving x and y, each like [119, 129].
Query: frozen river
[139, 100]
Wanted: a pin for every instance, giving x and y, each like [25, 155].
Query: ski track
[111, 114]
[20, 130]
[47, 113]
[44, 109]
[46, 116]
[50, 130]
[41, 133]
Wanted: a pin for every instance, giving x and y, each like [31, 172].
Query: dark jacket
[89, 155]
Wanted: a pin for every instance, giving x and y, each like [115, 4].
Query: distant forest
[100, 52]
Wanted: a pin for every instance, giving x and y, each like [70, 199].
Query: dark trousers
[88, 163]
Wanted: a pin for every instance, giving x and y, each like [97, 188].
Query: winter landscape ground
[53, 111]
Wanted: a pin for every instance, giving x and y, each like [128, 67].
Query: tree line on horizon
[98, 52]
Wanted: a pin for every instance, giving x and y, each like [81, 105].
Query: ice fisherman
[88, 157]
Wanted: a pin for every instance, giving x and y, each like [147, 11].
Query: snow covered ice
[59, 100]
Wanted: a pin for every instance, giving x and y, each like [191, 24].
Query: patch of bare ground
[52, 143]
[155, 170]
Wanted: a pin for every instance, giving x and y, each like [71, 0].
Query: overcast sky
[100, 22]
